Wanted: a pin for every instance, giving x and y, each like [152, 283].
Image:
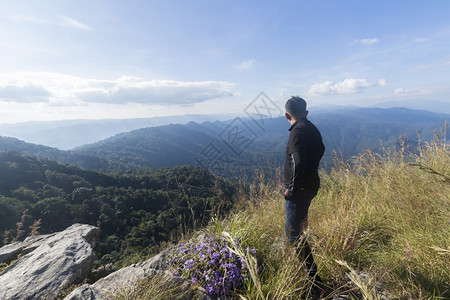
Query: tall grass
[385, 214]
[389, 213]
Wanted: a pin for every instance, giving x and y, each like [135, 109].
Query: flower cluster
[212, 263]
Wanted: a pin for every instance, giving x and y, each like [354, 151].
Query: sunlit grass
[385, 214]
[388, 214]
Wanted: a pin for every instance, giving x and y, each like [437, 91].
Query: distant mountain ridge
[154, 147]
[69, 157]
[68, 134]
[418, 104]
[346, 131]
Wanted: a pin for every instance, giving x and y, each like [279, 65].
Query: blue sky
[126, 59]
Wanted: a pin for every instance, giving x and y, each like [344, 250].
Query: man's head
[295, 109]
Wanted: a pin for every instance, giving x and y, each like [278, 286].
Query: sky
[98, 59]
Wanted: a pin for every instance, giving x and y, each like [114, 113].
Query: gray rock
[8, 252]
[128, 277]
[33, 242]
[86, 292]
[54, 262]
[11, 251]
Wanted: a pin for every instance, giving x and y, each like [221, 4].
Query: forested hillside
[84, 161]
[68, 134]
[155, 147]
[134, 210]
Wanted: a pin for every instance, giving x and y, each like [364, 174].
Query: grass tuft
[156, 287]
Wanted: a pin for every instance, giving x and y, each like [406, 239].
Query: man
[303, 153]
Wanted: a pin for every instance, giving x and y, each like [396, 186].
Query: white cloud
[407, 92]
[61, 21]
[136, 90]
[382, 82]
[69, 22]
[348, 86]
[367, 42]
[399, 91]
[60, 89]
[24, 93]
[248, 64]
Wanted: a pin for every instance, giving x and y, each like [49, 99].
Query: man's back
[306, 141]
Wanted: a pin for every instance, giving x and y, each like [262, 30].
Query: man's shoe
[315, 293]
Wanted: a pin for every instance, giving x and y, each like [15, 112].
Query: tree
[10, 211]
[25, 194]
[54, 214]
[80, 194]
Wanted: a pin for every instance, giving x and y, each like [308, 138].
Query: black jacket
[303, 153]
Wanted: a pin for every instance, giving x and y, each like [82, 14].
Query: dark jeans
[296, 222]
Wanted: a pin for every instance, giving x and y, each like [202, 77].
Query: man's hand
[286, 192]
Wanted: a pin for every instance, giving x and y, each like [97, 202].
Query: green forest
[135, 210]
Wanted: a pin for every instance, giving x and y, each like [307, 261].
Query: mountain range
[239, 145]
[68, 134]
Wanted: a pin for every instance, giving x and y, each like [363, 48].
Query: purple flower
[212, 264]
[188, 264]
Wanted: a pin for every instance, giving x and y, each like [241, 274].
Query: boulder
[11, 251]
[54, 263]
[128, 277]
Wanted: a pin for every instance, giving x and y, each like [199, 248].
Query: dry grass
[157, 287]
[386, 214]
[389, 214]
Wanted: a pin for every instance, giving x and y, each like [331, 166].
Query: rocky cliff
[46, 265]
